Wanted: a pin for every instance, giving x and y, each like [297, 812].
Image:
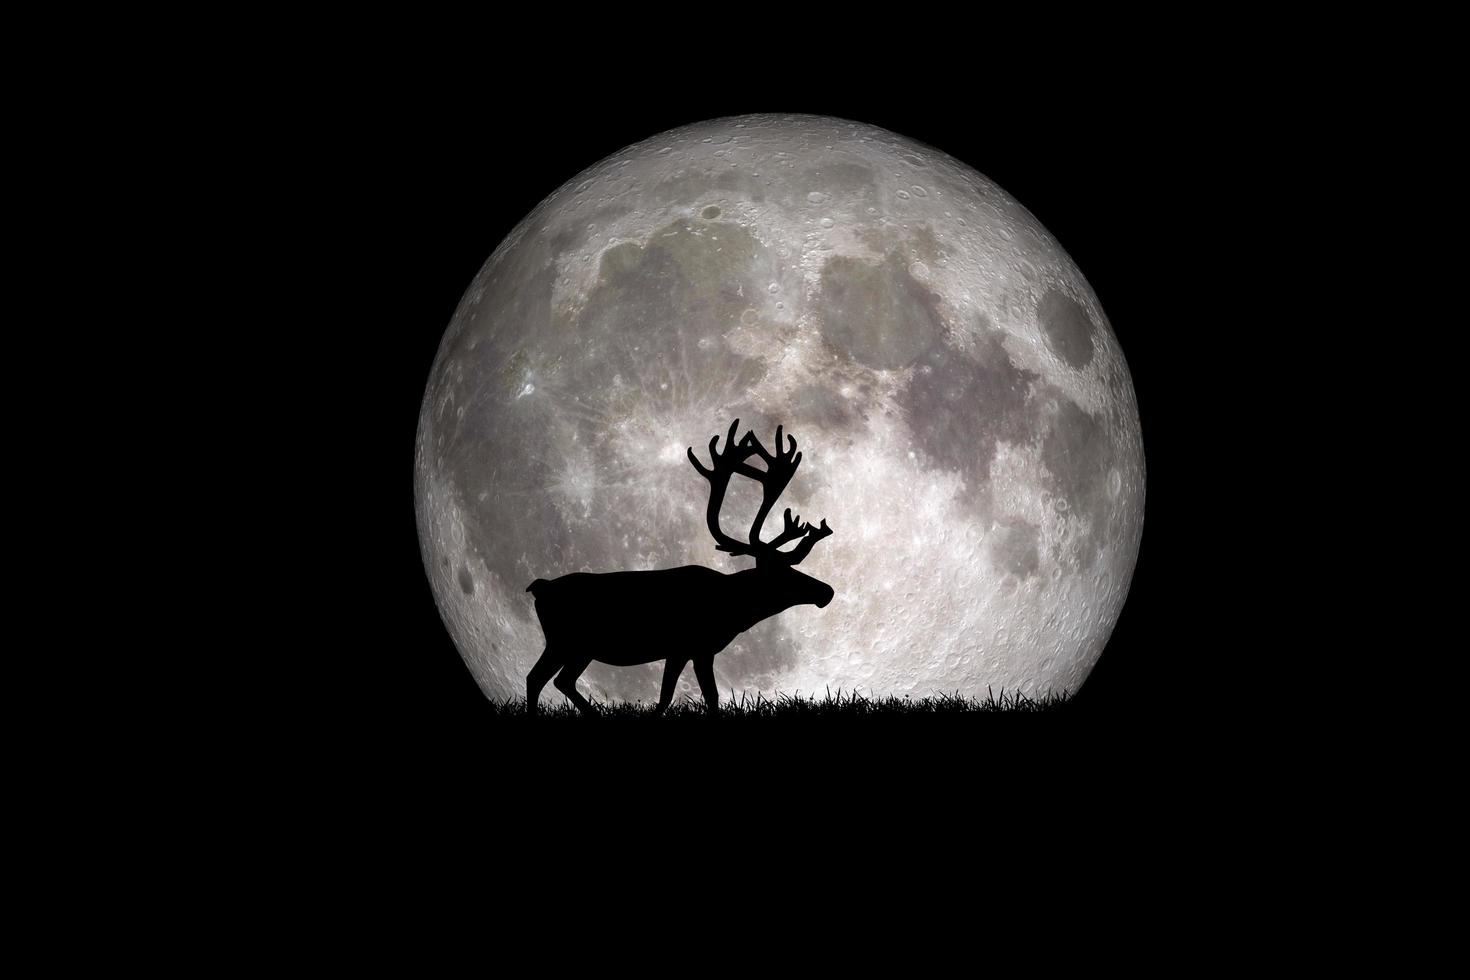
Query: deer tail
[536, 585]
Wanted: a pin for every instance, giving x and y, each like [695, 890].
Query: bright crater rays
[967, 420]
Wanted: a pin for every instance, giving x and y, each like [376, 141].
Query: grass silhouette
[744, 707]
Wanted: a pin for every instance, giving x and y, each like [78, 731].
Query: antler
[780, 468]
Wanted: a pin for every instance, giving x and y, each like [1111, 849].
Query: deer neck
[758, 597]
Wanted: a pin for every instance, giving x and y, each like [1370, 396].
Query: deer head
[781, 466]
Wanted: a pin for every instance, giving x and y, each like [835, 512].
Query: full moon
[968, 424]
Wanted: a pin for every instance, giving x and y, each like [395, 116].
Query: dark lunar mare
[680, 614]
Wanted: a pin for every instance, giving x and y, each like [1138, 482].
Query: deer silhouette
[686, 613]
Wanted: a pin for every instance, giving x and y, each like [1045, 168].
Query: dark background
[1138, 183]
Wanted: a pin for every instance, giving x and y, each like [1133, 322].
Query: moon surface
[967, 421]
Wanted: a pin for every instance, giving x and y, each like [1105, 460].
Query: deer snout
[824, 596]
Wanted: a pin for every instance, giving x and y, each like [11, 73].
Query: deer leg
[566, 683]
[537, 678]
[704, 671]
[673, 667]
